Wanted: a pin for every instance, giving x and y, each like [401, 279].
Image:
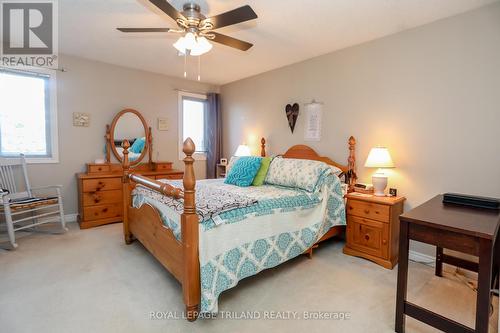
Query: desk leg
[439, 261]
[402, 277]
[484, 283]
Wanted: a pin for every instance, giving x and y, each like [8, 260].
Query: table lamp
[242, 150]
[379, 157]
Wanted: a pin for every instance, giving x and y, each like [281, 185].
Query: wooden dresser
[373, 228]
[100, 195]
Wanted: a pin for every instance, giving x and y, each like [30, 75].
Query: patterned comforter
[273, 225]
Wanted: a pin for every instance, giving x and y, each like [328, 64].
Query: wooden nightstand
[373, 228]
[221, 170]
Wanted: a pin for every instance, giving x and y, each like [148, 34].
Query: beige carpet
[90, 281]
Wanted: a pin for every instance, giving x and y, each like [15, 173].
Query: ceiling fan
[198, 29]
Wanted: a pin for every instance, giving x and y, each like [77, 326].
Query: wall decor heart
[292, 113]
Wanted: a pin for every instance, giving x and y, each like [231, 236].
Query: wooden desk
[468, 230]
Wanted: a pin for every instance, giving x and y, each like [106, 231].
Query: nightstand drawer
[368, 236]
[102, 184]
[369, 210]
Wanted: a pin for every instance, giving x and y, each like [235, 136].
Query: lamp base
[379, 182]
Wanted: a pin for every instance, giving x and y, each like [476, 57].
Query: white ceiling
[287, 31]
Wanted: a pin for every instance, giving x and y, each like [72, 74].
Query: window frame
[200, 156]
[52, 136]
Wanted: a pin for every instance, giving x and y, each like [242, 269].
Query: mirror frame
[147, 135]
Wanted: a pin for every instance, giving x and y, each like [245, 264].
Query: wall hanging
[312, 127]
[292, 113]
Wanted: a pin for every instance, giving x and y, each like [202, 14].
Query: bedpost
[126, 191]
[189, 230]
[263, 147]
[351, 173]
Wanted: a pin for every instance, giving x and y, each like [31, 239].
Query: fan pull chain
[185, 64]
[199, 68]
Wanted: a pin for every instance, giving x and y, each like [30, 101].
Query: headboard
[307, 153]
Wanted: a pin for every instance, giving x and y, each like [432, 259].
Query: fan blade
[168, 9]
[231, 17]
[230, 41]
[143, 29]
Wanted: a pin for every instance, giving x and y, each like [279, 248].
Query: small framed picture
[223, 161]
[393, 192]
[162, 124]
[81, 119]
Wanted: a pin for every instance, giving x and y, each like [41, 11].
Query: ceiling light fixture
[193, 45]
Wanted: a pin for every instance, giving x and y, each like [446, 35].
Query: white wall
[431, 95]
[102, 90]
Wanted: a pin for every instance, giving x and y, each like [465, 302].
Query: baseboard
[67, 218]
[422, 258]
[71, 217]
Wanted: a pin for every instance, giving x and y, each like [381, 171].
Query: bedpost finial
[263, 147]
[352, 141]
[188, 148]
[125, 146]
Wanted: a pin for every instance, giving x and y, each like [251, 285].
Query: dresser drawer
[369, 210]
[102, 197]
[102, 211]
[162, 166]
[101, 184]
[97, 168]
[368, 236]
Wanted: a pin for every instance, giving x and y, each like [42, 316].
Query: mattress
[282, 224]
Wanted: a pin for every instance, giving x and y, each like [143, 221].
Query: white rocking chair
[24, 206]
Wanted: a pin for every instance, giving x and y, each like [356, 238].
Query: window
[192, 108]
[27, 115]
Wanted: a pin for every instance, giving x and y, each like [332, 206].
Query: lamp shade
[242, 150]
[379, 157]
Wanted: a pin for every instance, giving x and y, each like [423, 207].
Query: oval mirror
[129, 125]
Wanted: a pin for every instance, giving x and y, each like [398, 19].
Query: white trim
[67, 218]
[196, 156]
[422, 258]
[54, 137]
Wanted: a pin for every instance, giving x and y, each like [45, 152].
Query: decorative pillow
[243, 171]
[232, 160]
[297, 173]
[138, 145]
[261, 174]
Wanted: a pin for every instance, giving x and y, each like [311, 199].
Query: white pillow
[297, 173]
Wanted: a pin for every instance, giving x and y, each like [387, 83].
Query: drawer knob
[104, 210]
[367, 237]
[367, 211]
[97, 198]
[384, 241]
[351, 208]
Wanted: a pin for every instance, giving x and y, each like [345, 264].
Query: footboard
[145, 224]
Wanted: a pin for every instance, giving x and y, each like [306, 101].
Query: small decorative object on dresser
[379, 157]
[100, 189]
[373, 227]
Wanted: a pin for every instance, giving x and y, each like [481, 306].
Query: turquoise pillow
[138, 145]
[243, 171]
